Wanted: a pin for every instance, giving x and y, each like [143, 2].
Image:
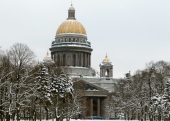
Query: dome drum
[72, 57]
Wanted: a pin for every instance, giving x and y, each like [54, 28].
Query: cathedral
[72, 51]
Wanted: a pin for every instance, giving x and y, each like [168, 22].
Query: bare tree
[79, 108]
[5, 72]
[21, 59]
[21, 56]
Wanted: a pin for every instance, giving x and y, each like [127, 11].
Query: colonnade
[81, 59]
[95, 106]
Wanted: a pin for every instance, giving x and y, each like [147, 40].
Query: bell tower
[106, 68]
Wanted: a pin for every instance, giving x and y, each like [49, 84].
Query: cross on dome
[71, 3]
[71, 13]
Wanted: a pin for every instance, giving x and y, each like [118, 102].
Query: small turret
[47, 59]
[106, 68]
[71, 13]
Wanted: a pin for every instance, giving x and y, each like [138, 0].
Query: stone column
[90, 59]
[65, 59]
[98, 106]
[87, 57]
[77, 59]
[81, 59]
[78, 55]
[91, 106]
[61, 61]
[83, 111]
[55, 56]
[69, 59]
[52, 56]
[112, 72]
[86, 60]
[103, 104]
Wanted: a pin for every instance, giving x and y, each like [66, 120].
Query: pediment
[82, 84]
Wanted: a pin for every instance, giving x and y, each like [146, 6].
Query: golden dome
[106, 60]
[71, 26]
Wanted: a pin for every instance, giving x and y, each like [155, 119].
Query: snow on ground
[85, 120]
[101, 120]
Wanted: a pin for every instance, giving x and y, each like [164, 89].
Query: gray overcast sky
[131, 32]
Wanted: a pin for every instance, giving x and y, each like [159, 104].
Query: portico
[94, 102]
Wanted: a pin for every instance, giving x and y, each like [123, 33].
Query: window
[107, 73]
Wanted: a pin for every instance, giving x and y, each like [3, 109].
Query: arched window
[67, 40]
[107, 73]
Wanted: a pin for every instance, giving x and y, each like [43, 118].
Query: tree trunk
[67, 119]
[1, 116]
[57, 118]
[150, 117]
[138, 116]
[40, 113]
[1, 113]
[7, 117]
[24, 114]
[145, 116]
[159, 117]
[61, 118]
[18, 117]
[13, 116]
[35, 115]
[47, 114]
[29, 114]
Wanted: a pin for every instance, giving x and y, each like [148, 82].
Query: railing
[70, 43]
